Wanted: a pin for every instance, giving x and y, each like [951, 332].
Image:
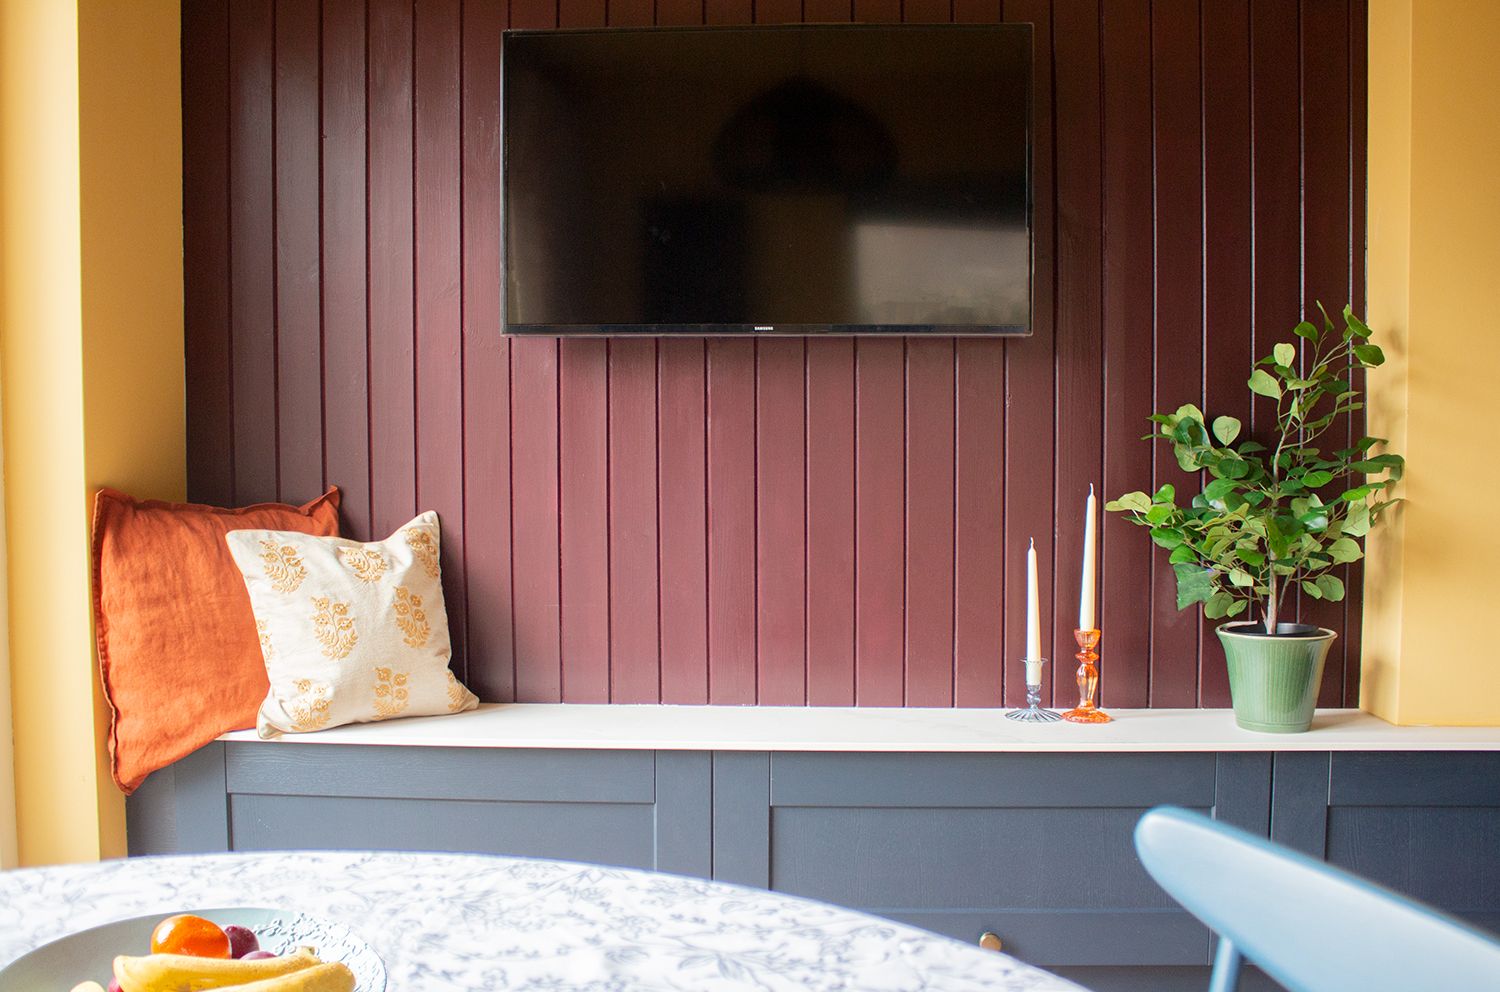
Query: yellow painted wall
[1434, 259]
[91, 358]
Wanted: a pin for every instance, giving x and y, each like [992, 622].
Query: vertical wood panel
[1358, 74]
[1325, 237]
[979, 513]
[1030, 419]
[583, 446]
[731, 521]
[252, 260]
[581, 13]
[830, 523]
[929, 522]
[682, 481]
[392, 279]
[728, 11]
[439, 275]
[629, 13]
[1275, 93]
[826, 520]
[877, 11]
[634, 613]
[673, 12]
[345, 313]
[778, 11]
[486, 366]
[1176, 97]
[827, 11]
[299, 359]
[780, 523]
[976, 11]
[536, 535]
[1228, 296]
[879, 522]
[1079, 279]
[829, 389]
[206, 57]
[1126, 551]
[926, 11]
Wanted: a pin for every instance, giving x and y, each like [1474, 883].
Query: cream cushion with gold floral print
[350, 632]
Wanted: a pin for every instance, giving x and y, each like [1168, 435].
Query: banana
[182, 973]
[332, 977]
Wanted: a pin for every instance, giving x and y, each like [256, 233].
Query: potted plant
[1273, 516]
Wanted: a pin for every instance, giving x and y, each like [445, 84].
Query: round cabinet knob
[990, 941]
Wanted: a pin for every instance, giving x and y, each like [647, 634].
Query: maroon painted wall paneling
[828, 521]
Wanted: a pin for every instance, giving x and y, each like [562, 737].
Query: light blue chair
[1311, 927]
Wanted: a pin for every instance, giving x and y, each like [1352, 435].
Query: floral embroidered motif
[267, 649]
[390, 693]
[334, 627]
[424, 548]
[283, 566]
[410, 617]
[309, 708]
[457, 694]
[367, 564]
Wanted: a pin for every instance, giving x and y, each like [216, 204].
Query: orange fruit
[187, 934]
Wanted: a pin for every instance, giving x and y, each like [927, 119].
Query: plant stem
[1272, 605]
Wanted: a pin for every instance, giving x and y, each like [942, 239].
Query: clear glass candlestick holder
[1033, 712]
[1088, 680]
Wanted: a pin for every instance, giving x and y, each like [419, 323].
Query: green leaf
[1369, 354]
[1226, 429]
[1165, 494]
[1261, 383]
[1307, 331]
[1312, 590]
[1332, 587]
[1241, 578]
[1218, 605]
[1182, 553]
[1354, 327]
[1137, 501]
[1344, 550]
[1250, 557]
[1356, 494]
[1317, 480]
[1166, 537]
[1218, 489]
[1237, 607]
[1285, 354]
[1160, 513]
[1194, 585]
[1357, 523]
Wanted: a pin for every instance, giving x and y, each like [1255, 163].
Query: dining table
[468, 922]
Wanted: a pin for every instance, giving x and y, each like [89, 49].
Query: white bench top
[799, 728]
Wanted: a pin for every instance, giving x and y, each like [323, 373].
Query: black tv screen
[844, 179]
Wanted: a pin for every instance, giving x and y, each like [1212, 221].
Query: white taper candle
[1090, 573]
[1033, 621]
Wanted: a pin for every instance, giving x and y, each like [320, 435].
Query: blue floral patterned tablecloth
[466, 923]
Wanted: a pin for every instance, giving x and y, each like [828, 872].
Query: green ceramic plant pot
[1273, 681]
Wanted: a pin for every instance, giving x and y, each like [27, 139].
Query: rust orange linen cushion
[178, 649]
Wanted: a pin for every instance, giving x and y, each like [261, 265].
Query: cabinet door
[1426, 824]
[629, 808]
[1037, 848]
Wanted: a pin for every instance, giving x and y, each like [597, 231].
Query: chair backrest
[1311, 927]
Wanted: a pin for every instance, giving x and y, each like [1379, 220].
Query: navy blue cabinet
[1035, 847]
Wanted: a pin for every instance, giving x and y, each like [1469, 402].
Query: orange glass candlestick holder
[1088, 680]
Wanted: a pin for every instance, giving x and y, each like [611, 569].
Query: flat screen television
[839, 179]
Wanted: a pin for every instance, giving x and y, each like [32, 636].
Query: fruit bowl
[89, 954]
